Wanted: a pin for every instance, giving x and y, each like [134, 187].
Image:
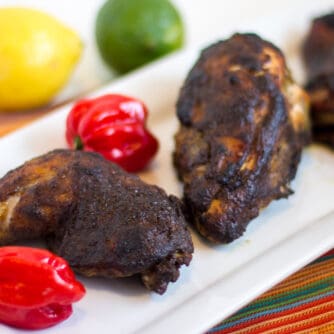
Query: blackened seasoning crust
[318, 47]
[103, 221]
[244, 123]
[318, 54]
[321, 92]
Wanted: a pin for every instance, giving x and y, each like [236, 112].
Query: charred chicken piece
[318, 47]
[103, 221]
[244, 123]
[318, 54]
[321, 92]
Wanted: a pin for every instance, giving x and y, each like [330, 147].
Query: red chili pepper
[113, 125]
[37, 288]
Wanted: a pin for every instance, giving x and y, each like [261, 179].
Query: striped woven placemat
[303, 303]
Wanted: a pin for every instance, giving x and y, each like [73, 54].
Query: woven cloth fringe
[303, 303]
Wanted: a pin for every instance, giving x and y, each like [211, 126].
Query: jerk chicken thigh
[244, 123]
[102, 220]
[318, 54]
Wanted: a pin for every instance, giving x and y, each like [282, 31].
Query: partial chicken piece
[321, 92]
[244, 123]
[318, 47]
[102, 220]
[318, 54]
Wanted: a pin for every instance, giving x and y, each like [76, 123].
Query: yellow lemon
[37, 56]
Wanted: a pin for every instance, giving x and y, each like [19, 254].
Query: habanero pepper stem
[77, 143]
[37, 288]
[115, 126]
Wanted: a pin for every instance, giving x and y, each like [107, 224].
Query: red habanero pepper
[114, 126]
[37, 288]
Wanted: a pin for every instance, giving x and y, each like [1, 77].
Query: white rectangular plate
[287, 235]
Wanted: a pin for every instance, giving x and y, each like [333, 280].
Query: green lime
[131, 33]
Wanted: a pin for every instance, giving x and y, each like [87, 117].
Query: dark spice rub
[102, 220]
[244, 123]
[321, 92]
[318, 47]
[318, 55]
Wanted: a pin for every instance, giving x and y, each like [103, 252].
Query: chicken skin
[244, 123]
[318, 47]
[103, 221]
[318, 54]
[321, 92]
